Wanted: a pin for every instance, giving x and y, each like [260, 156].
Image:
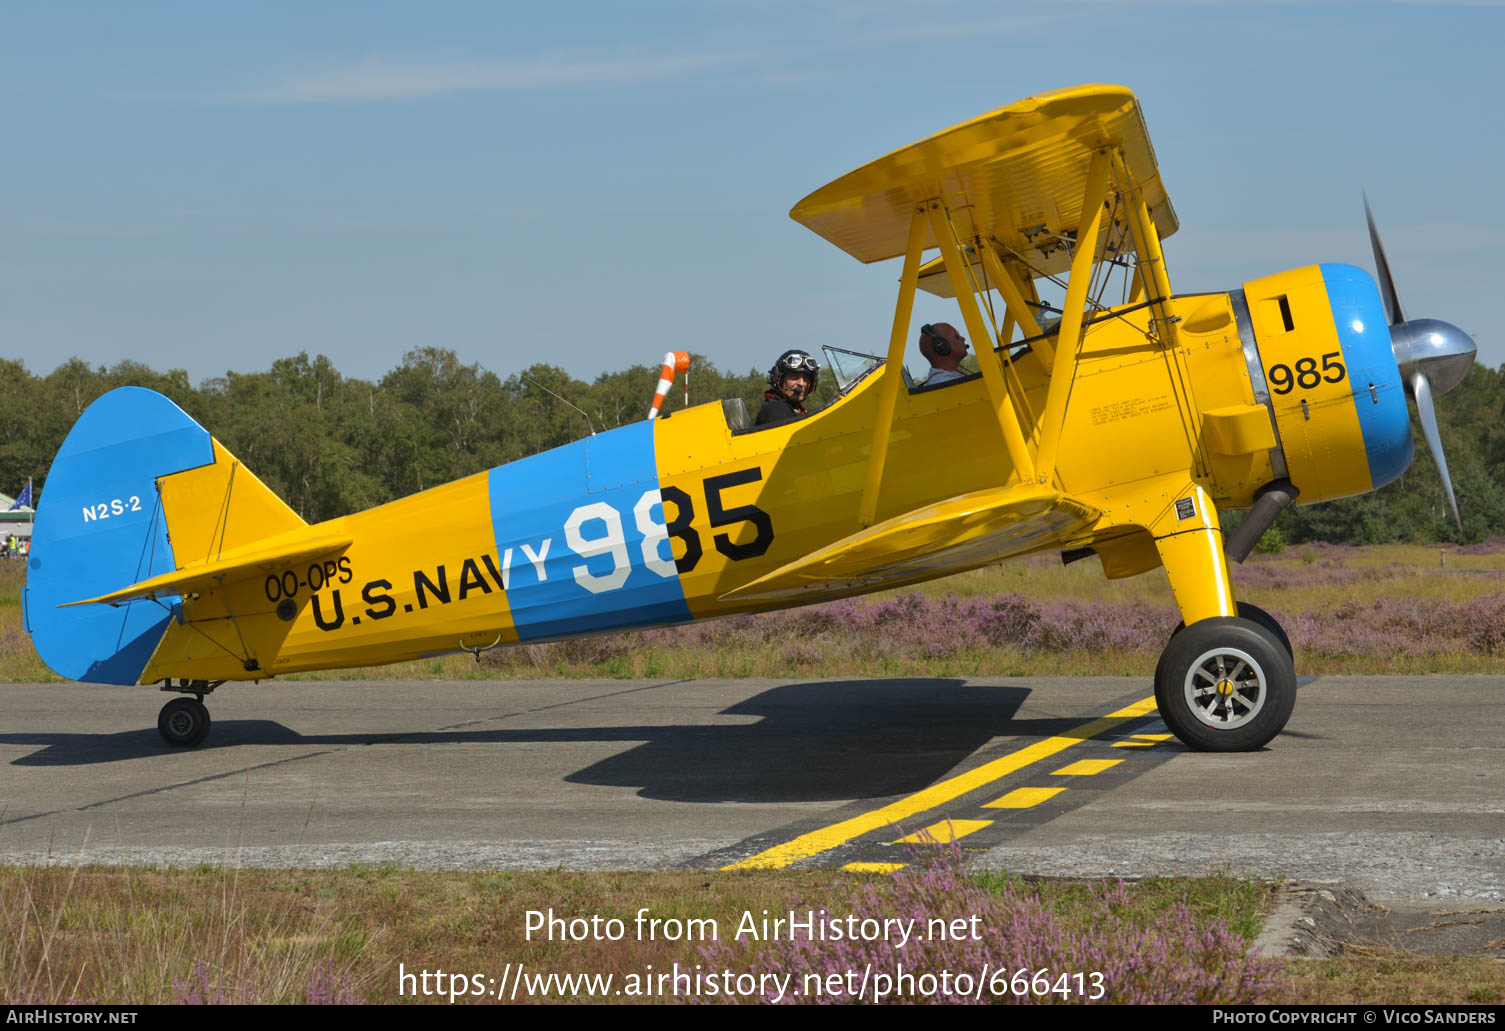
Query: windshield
[849, 367]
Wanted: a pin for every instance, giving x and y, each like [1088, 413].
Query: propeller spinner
[1433, 357]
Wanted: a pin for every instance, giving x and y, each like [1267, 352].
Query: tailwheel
[184, 722]
[1226, 685]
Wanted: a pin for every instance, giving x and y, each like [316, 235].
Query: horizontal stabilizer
[259, 559]
[950, 536]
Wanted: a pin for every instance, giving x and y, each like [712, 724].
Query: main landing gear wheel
[1254, 614]
[184, 722]
[1225, 685]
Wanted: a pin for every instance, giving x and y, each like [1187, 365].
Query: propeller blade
[1422, 390]
[1387, 284]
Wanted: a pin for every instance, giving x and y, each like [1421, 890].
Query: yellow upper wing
[1016, 174]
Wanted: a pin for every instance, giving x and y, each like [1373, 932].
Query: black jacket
[776, 409]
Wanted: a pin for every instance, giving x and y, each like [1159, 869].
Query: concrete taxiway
[1395, 785]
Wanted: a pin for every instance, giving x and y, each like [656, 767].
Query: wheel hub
[1225, 688]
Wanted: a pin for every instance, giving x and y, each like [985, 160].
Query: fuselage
[654, 523]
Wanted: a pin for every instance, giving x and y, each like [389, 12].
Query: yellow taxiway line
[1023, 798]
[827, 838]
[1086, 767]
[1142, 741]
[944, 832]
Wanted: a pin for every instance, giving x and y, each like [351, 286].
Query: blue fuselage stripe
[569, 527]
[1378, 395]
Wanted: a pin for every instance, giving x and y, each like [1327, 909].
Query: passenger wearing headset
[791, 381]
[944, 348]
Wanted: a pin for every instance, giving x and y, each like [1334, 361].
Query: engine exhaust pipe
[1271, 500]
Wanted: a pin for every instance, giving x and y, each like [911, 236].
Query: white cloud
[828, 29]
[403, 76]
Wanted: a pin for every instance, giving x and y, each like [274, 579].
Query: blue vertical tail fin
[99, 526]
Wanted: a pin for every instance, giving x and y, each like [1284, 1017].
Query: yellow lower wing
[950, 536]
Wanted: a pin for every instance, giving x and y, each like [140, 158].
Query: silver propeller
[1433, 358]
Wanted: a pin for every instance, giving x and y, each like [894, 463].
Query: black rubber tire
[1265, 682]
[183, 722]
[1254, 614]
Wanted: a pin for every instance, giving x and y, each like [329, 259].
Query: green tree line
[329, 444]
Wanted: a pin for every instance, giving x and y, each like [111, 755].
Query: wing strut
[1012, 291]
[1069, 336]
[1152, 278]
[1156, 283]
[889, 388]
[959, 271]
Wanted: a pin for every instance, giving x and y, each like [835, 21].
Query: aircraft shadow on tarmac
[814, 742]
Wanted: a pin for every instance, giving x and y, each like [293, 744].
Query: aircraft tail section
[138, 493]
[220, 508]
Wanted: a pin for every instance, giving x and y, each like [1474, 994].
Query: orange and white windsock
[674, 361]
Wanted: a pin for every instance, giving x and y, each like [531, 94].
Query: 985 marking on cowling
[1306, 376]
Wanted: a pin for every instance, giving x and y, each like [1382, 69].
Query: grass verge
[212, 934]
[141, 935]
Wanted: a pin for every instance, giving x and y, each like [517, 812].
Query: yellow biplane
[1120, 428]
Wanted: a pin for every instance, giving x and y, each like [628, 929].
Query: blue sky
[212, 187]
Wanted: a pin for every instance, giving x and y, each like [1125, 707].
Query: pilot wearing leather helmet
[791, 381]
